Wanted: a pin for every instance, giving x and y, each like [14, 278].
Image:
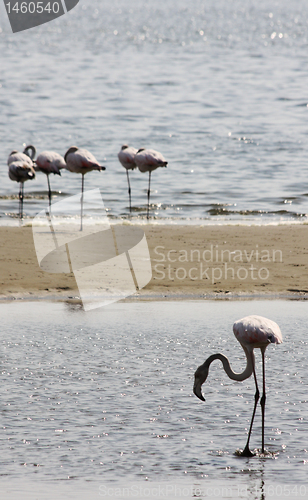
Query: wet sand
[187, 261]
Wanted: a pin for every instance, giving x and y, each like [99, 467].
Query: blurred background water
[220, 88]
[103, 399]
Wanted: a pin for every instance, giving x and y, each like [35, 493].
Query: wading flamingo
[251, 332]
[50, 162]
[148, 160]
[81, 161]
[127, 158]
[20, 170]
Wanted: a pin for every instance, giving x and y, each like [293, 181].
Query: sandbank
[187, 261]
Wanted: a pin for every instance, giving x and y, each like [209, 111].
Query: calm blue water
[220, 88]
[100, 400]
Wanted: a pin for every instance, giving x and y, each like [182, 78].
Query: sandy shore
[190, 261]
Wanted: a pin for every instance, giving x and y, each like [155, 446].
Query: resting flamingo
[251, 332]
[148, 160]
[50, 162]
[20, 170]
[81, 161]
[127, 158]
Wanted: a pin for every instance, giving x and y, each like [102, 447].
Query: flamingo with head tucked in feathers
[148, 160]
[20, 170]
[251, 332]
[127, 158]
[50, 162]
[81, 161]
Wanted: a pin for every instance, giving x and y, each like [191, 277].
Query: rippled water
[220, 88]
[105, 398]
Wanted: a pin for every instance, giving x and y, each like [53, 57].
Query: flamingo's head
[200, 377]
[72, 149]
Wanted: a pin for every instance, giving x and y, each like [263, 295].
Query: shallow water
[219, 88]
[104, 399]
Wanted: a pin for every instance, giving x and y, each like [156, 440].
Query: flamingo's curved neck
[226, 364]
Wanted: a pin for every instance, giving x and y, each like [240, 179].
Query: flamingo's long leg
[81, 201]
[129, 192]
[246, 452]
[21, 200]
[149, 190]
[19, 197]
[49, 193]
[262, 402]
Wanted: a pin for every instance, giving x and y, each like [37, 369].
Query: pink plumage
[257, 330]
[20, 170]
[21, 165]
[81, 161]
[50, 162]
[148, 160]
[20, 157]
[126, 157]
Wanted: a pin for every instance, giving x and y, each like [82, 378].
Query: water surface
[105, 398]
[219, 88]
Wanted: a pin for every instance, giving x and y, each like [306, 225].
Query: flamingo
[148, 160]
[50, 162]
[251, 332]
[21, 169]
[27, 156]
[81, 161]
[127, 158]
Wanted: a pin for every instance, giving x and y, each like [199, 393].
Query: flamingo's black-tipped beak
[197, 390]
[103, 168]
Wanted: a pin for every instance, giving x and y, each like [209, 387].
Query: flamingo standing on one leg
[81, 161]
[251, 332]
[148, 160]
[20, 170]
[50, 162]
[127, 158]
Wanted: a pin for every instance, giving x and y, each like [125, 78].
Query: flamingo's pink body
[50, 162]
[252, 332]
[127, 157]
[16, 156]
[81, 161]
[21, 170]
[257, 331]
[148, 160]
